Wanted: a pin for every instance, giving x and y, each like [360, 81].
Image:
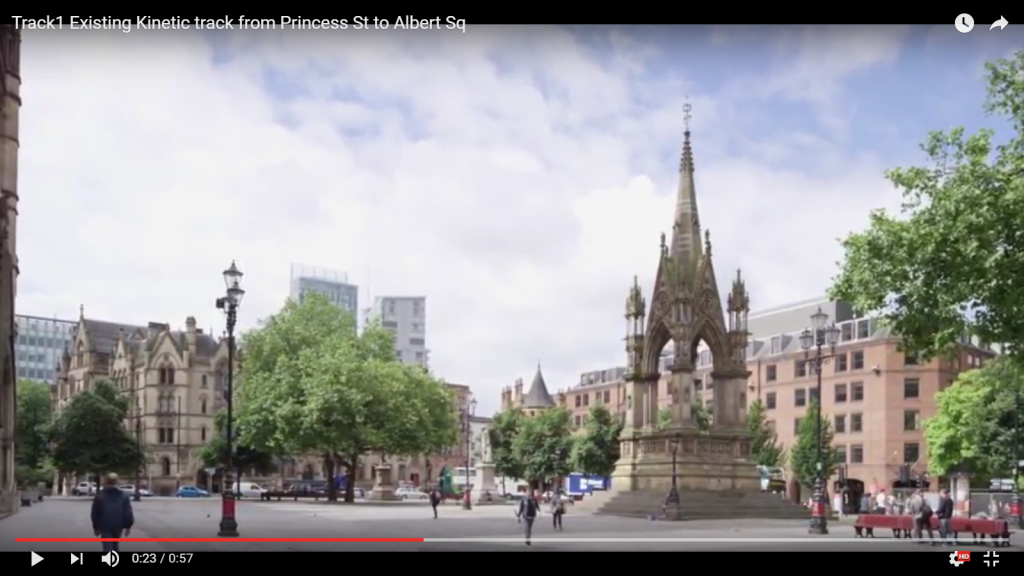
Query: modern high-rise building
[40, 343]
[406, 318]
[331, 283]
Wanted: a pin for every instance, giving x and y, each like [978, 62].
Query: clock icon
[964, 23]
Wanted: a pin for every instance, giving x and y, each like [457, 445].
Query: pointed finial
[81, 311]
[662, 239]
[707, 241]
[687, 108]
[686, 159]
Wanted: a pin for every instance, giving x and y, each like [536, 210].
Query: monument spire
[686, 240]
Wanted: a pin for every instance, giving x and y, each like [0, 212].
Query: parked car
[84, 489]
[249, 490]
[411, 494]
[130, 489]
[192, 492]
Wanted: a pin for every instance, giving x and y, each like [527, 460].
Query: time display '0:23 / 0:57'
[161, 557]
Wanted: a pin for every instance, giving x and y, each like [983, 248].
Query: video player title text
[126, 25]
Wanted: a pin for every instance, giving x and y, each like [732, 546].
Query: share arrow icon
[1001, 23]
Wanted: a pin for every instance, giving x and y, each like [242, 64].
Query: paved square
[174, 518]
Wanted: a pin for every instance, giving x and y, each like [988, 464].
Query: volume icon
[110, 558]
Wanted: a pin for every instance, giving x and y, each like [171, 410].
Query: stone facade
[177, 380]
[10, 105]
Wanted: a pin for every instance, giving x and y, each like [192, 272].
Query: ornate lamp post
[467, 416]
[819, 344]
[672, 500]
[138, 446]
[229, 304]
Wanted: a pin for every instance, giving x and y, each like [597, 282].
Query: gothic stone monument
[716, 476]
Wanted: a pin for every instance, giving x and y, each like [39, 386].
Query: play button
[36, 558]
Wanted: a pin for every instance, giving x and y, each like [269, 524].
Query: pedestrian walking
[557, 510]
[112, 515]
[922, 513]
[944, 512]
[435, 500]
[528, 510]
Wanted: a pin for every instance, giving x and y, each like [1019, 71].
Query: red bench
[902, 526]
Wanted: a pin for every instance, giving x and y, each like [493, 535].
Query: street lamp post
[229, 304]
[138, 447]
[467, 416]
[819, 344]
[672, 501]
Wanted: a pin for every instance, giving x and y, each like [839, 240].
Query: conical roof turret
[538, 396]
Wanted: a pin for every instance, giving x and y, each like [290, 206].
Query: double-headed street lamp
[467, 416]
[819, 344]
[229, 304]
[138, 447]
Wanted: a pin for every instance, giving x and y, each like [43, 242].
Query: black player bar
[478, 14]
[928, 558]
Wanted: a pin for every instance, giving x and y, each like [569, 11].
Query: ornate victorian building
[177, 380]
[10, 104]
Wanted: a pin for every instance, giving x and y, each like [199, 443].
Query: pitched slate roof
[538, 396]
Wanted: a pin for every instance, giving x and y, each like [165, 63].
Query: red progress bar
[218, 540]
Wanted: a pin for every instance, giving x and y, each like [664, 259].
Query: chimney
[190, 334]
[517, 395]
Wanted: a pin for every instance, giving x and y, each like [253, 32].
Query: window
[416, 342]
[577, 420]
[911, 452]
[911, 420]
[800, 368]
[579, 401]
[796, 426]
[202, 434]
[770, 373]
[856, 391]
[856, 422]
[863, 329]
[202, 406]
[586, 399]
[841, 362]
[840, 454]
[911, 387]
[776, 345]
[417, 327]
[856, 454]
[845, 332]
[858, 360]
[769, 401]
[607, 396]
[204, 382]
[839, 423]
[166, 435]
[800, 397]
[840, 393]
[909, 359]
[389, 325]
[813, 393]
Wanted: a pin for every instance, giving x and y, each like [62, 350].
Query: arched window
[204, 383]
[202, 433]
[165, 466]
[202, 403]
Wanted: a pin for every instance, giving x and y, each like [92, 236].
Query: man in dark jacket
[944, 512]
[112, 513]
[435, 500]
[528, 510]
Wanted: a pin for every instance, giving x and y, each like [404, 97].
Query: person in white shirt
[880, 502]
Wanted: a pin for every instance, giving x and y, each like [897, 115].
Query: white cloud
[514, 177]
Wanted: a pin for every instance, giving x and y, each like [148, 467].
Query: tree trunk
[332, 487]
[351, 463]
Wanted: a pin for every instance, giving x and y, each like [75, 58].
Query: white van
[249, 490]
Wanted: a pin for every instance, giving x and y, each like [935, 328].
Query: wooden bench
[269, 496]
[902, 526]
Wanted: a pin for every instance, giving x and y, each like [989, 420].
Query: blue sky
[517, 176]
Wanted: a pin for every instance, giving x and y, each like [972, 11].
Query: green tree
[764, 444]
[701, 416]
[544, 446]
[804, 454]
[502, 433]
[312, 384]
[215, 453]
[89, 435]
[32, 448]
[973, 425]
[952, 263]
[597, 450]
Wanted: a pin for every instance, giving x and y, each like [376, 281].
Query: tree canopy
[953, 261]
[502, 433]
[972, 429]
[597, 449]
[312, 384]
[34, 406]
[804, 453]
[215, 453]
[544, 446]
[764, 444]
[89, 434]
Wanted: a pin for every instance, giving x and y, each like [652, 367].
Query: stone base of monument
[383, 490]
[484, 486]
[715, 478]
